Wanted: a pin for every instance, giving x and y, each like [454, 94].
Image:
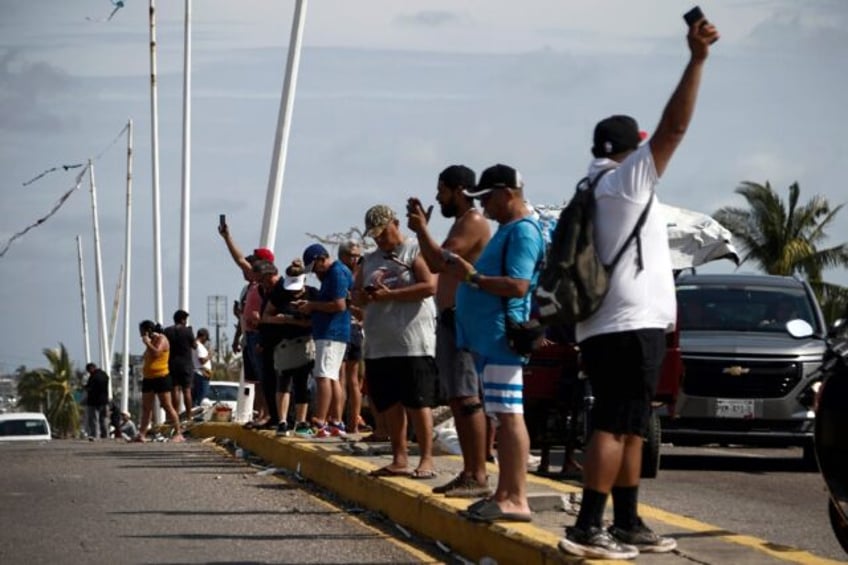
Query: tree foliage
[51, 391]
[785, 238]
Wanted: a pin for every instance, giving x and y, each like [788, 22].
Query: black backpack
[574, 280]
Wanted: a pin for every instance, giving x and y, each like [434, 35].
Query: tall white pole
[116, 306]
[154, 143]
[113, 325]
[278, 163]
[125, 361]
[86, 340]
[105, 361]
[185, 226]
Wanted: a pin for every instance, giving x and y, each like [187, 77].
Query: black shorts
[623, 370]
[156, 385]
[410, 381]
[296, 381]
[353, 352]
[182, 377]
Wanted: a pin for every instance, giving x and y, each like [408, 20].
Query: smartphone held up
[695, 15]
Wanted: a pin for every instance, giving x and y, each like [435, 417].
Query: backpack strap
[504, 299]
[637, 229]
[637, 235]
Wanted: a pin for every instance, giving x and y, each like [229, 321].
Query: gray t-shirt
[394, 328]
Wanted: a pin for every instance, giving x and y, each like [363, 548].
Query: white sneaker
[595, 543]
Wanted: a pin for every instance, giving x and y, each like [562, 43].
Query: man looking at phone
[331, 332]
[460, 383]
[633, 319]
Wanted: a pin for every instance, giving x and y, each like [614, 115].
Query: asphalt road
[69, 502]
[766, 493]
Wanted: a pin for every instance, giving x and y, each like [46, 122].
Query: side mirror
[799, 328]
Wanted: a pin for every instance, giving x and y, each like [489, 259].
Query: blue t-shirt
[338, 280]
[480, 324]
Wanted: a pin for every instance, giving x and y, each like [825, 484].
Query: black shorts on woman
[157, 385]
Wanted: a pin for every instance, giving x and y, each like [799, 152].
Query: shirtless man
[467, 237]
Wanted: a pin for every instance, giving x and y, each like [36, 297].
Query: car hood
[720, 343]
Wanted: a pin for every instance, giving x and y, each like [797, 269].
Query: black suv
[745, 379]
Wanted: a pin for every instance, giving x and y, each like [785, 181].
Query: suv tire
[651, 447]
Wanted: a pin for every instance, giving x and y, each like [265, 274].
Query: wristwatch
[473, 279]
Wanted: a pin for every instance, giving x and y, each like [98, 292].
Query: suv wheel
[839, 525]
[651, 447]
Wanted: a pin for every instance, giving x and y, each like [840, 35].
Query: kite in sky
[118, 4]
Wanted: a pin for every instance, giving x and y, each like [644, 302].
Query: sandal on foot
[490, 512]
[424, 474]
[389, 472]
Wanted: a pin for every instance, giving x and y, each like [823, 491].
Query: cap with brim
[264, 253]
[294, 283]
[478, 193]
[616, 134]
[496, 176]
[377, 218]
[311, 254]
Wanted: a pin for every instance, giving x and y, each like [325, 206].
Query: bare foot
[178, 438]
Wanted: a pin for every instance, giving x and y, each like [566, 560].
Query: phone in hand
[370, 289]
[222, 221]
[693, 16]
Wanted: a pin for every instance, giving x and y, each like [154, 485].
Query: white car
[224, 392]
[24, 426]
[238, 398]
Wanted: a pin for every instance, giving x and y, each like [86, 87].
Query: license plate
[733, 408]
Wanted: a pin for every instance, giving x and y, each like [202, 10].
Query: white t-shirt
[199, 352]
[637, 299]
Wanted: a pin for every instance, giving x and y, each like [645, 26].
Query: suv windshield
[741, 308]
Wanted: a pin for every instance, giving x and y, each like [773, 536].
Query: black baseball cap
[496, 176]
[616, 134]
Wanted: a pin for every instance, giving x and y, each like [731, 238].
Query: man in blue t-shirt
[500, 284]
[331, 332]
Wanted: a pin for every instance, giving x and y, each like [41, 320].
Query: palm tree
[51, 391]
[783, 239]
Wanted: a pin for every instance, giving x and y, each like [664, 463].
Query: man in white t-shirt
[622, 345]
[202, 367]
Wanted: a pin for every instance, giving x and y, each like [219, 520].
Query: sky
[389, 93]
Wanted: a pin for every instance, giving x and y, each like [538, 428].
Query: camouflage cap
[377, 218]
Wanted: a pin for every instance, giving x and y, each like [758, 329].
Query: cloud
[27, 91]
[431, 19]
[815, 29]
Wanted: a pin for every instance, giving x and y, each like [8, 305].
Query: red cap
[264, 253]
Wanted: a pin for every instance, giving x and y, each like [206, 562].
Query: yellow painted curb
[404, 501]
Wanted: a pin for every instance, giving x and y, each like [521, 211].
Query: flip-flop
[389, 472]
[474, 505]
[490, 512]
[423, 474]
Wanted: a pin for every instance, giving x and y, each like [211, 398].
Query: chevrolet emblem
[735, 371]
